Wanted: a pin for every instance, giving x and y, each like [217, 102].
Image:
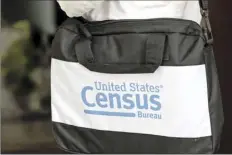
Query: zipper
[97, 25]
[132, 22]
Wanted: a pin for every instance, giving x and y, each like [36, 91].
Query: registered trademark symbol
[161, 86]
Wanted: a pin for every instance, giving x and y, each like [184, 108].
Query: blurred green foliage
[23, 70]
[14, 60]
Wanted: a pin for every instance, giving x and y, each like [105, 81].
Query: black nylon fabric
[83, 140]
[204, 4]
[180, 42]
[136, 46]
[215, 102]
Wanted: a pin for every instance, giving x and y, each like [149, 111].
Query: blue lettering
[140, 114]
[149, 115]
[138, 101]
[155, 102]
[145, 102]
[157, 89]
[97, 84]
[111, 99]
[83, 96]
[128, 101]
[132, 87]
[152, 89]
[100, 97]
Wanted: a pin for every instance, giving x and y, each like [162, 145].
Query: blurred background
[27, 30]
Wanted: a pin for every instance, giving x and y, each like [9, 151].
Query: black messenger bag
[135, 86]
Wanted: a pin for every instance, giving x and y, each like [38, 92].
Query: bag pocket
[144, 57]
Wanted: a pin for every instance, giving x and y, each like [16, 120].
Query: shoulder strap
[204, 4]
[206, 23]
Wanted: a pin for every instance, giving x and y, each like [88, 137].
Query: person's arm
[75, 8]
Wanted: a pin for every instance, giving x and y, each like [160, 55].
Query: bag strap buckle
[207, 30]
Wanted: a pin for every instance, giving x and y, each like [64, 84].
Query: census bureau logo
[122, 100]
